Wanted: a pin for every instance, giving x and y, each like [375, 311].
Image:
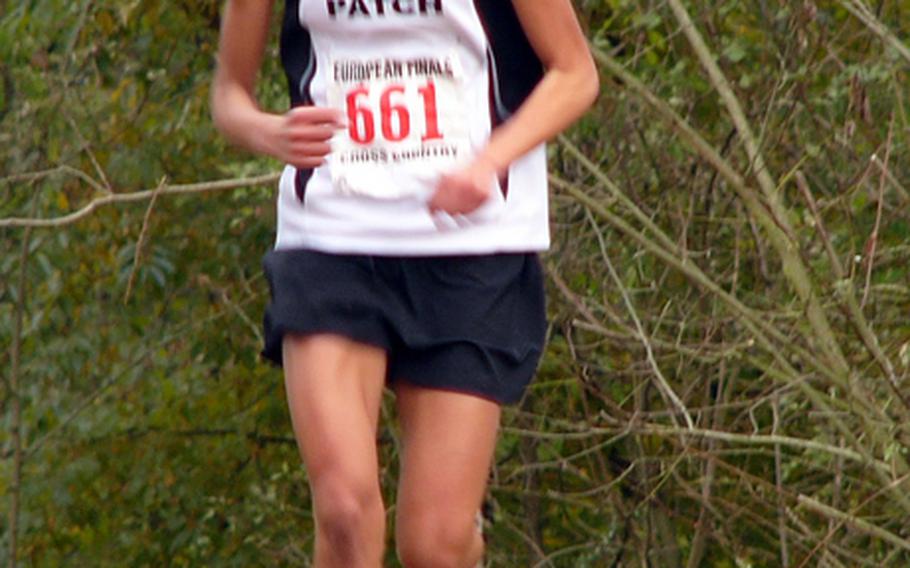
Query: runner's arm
[299, 137]
[569, 86]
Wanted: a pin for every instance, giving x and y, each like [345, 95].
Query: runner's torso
[421, 84]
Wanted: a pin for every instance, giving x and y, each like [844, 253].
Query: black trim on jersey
[494, 116]
[297, 54]
[515, 68]
[301, 180]
[299, 60]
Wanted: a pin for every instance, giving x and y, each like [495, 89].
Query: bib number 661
[394, 114]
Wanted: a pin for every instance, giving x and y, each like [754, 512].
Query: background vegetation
[726, 380]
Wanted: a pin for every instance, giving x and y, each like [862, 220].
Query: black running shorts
[473, 324]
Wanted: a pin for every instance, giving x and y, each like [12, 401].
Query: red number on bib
[388, 110]
[361, 120]
[357, 112]
[429, 107]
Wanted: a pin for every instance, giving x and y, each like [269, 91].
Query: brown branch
[793, 267]
[86, 145]
[663, 386]
[779, 484]
[856, 523]
[872, 243]
[773, 216]
[836, 524]
[755, 324]
[803, 186]
[140, 241]
[764, 333]
[236, 308]
[862, 13]
[15, 489]
[61, 169]
[256, 437]
[845, 292]
[764, 439]
[191, 188]
[753, 203]
[902, 192]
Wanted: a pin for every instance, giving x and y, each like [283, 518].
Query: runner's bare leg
[448, 442]
[334, 388]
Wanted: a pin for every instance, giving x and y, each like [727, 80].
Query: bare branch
[140, 241]
[793, 267]
[766, 440]
[662, 383]
[202, 187]
[63, 168]
[15, 387]
[861, 12]
[854, 522]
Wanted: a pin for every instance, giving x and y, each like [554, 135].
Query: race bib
[407, 121]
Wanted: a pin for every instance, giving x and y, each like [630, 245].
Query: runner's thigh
[334, 387]
[448, 442]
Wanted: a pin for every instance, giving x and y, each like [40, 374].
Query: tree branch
[793, 267]
[854, 522]
[202, 187]
[861, 12]
[15, 489]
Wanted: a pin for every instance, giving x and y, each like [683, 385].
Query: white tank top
[421, 83]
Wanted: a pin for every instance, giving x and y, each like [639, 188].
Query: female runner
[410, 215]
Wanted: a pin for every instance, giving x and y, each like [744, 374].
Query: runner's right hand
[300, 137]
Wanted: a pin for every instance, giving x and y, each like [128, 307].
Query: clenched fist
[300, 137]
[464, 190]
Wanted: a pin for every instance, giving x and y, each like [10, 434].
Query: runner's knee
[345, 509]
[435, 540]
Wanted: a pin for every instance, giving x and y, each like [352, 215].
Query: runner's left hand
[464, 190]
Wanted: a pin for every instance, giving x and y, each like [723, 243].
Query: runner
[410, 215]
